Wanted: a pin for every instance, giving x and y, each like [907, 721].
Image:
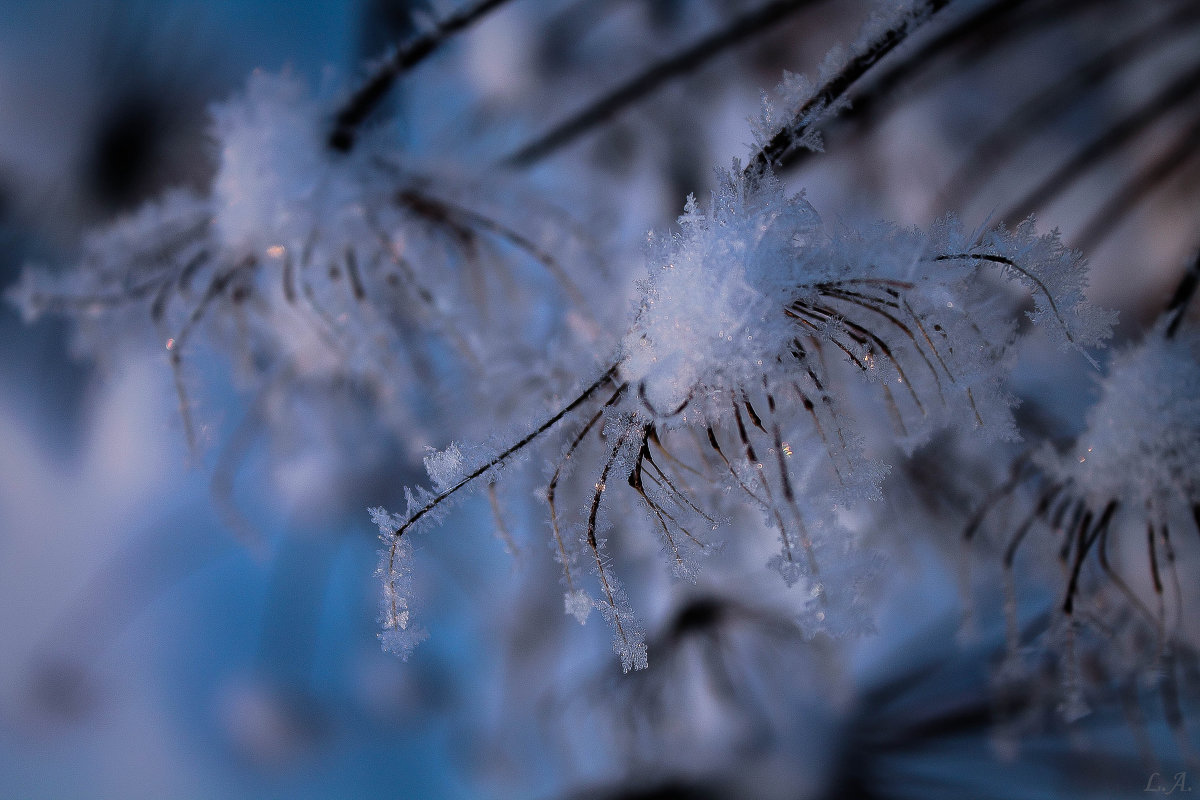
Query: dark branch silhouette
[831, 91]
[368, 97]
[1127, 129]
[759, 21]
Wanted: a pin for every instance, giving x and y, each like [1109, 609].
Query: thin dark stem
[1085, 543]
[175, 345]
[1133, 191]
[1047, 105]
[552, 488]
[524, 243]
[594, 544]
[368, 97]
[759, 21]
[866, 302]
[788, 137]
[975, 29]
[500, 458]
[1112, 139]
[1177, 308]
[716, 445]
[1044, 502]
[1008, 262]
[1135, 602]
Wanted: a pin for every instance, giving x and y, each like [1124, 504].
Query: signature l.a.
[1156, 784]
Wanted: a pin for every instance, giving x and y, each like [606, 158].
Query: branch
[1171, 162]
[976, 36]
[1049, 104]
[1177, 308]
[371, 94]
[1120, 134]
[599, 111]
[503, 456]
[835, 87]
[973, 30]
[1013, 265]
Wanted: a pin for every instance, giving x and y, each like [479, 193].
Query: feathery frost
[760, 336]
[347, 273]
[1105, 509]
[1157, 460]
[399, 634]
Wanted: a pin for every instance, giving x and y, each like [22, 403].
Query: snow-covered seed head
[712, 306]
[1142, 441]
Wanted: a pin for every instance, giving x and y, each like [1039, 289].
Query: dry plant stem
[1130, 194]
[752, 459]
[1176, 586]
[789, 492]
[810, 316]
[219, 283]
[552, 488]
[1182, 88]
[1085, 540]
[502, 531]
[1008, 262]
[878, 306]
[509, 451]
[661, 515]
[870, 104]
[811, 408]
[593, 543]
[761, 20]
[712, 441]
[521, 242]
[368, 97]
[1160, 607]
[1177, 310]
[832, 90]
[1119, 582]
[1035, 113]
[499, 459]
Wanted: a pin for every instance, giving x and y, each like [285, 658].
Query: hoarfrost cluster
[759, 338]
[753, 397]
[345, 272]
[1152, 463]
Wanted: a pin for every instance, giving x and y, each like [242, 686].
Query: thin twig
[368, 97]
[503, 456]
[1177, 308]
[1008, 262]
[974, 33]
[786, 139]
[1086, 539]
[1123, 132]
[761, 20]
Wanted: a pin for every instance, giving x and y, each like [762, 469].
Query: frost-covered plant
[345, 272]
[774, 368]
[759, 337]
[1106, 506]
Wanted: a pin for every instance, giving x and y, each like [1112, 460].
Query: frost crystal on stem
[1128, 480]
[399, 634]
[345, 273]
[760, 336]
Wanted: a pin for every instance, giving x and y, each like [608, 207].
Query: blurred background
[151, 648]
